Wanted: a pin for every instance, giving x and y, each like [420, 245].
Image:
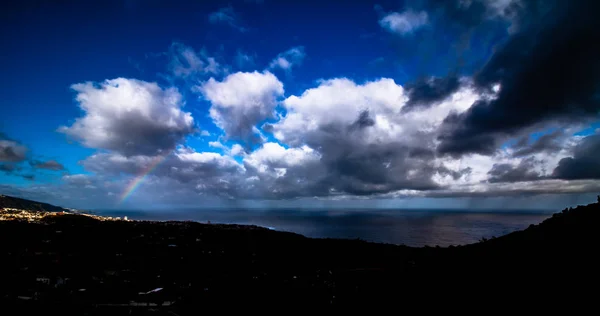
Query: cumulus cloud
[337, 140]
[226, 15]
[507, 130]
[340, 103]
[404, 23]
[288, 59]
[366, 142]
[241, 101]
[130, 117]
[273, 158]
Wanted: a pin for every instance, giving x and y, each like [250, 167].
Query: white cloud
[363, 127]
[129, 116]
[338, 140]
[237, 150]
[205, 133]
[241, 101]
[404, 23]
[217, 144]
[340, 101]
[190, 156]
[273, 155]
[288, 59]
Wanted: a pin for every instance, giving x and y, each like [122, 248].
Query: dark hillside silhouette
[22, 204]
[74, 265]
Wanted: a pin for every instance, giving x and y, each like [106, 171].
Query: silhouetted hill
[17, 203]
[74, 267]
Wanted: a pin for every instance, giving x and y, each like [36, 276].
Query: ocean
[402, 227]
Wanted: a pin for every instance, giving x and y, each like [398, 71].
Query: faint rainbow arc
[135, 182]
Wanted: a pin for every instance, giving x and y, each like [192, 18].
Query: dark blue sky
[433, 51]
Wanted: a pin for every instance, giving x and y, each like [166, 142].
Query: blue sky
[284, 63]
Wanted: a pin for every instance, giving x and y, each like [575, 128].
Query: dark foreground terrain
[68, 264]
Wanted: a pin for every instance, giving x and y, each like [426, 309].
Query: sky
[130, 104]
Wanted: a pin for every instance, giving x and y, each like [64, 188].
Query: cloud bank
[510, 128]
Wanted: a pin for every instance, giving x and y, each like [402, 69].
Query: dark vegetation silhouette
[76, 265]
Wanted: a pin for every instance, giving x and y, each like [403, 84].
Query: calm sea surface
[409, 227]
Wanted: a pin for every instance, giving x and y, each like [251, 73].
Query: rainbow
[135, 183]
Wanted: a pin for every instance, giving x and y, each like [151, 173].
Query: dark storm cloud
[365, 169]
[426, 91]
[48, 165]
[29, 177]
[454, 174]
[505, 172]
[585, 163]
[546, 143]
[548, 71]
[363, 121]
[456, 145]
[468, 14]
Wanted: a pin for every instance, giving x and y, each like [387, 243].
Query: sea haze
[408, 227]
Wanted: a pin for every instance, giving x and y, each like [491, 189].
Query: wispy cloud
[288, 59]
[185, 61]
[243, 60]
[48, 165]
[404, 23]
[226, 15]
[11, 151]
